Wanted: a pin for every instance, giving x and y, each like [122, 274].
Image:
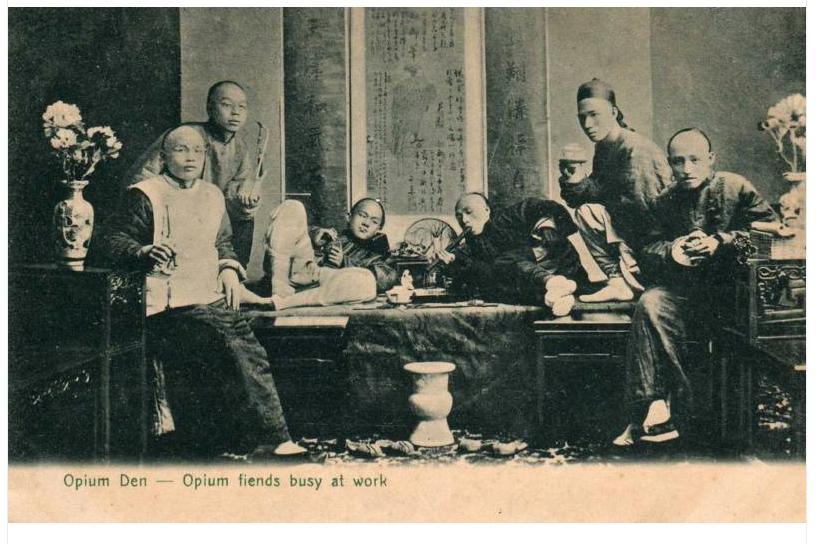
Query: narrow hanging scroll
[415, 108]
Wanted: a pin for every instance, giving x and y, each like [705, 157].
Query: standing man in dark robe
[228, 163]
[613, 202]
[702, 217]
[520, 254]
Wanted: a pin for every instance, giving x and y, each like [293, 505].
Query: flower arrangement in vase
[79, 151]
[786, 123]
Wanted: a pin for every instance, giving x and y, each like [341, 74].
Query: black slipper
[663, 432]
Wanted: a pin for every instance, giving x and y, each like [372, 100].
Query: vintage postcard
[407, 264]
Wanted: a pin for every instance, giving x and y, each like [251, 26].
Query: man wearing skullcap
[228, 163]
[613, 202]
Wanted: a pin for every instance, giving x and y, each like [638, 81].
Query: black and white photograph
[400, 244]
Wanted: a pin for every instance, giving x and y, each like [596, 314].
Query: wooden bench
[581, 358]
[306, 355]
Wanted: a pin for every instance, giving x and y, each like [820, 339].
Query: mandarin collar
[178, 183]
[218, 133]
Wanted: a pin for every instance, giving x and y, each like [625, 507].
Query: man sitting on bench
[702, 215]
[175, 227]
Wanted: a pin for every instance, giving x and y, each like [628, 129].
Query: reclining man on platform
[520, 254]
[318, 266]
[628, 172]
[703, 217]
[175, 227]
[228, 164]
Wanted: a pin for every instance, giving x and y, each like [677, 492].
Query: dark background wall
[608, 43]
[721, 69]
[141, 70]
[315, 121]
[517, 160]
[121, 67]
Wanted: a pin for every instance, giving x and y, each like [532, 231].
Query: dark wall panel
[720, 70]
[314, 58]
[120, 66]
[516, 100]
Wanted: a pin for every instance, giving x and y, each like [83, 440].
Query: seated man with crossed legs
[318, 266]
[174, 226]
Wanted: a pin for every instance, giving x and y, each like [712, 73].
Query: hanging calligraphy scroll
[315, 124]
[516, 106]
[415, 108]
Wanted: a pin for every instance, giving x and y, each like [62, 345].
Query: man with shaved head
[227, 162]
[315, 266]
[174, 226]
[702, 217]
[519, 254]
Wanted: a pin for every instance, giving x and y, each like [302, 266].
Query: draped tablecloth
[492, 346]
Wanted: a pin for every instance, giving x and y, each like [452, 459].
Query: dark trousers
[218, 379]
[662, 321]
[243, 231]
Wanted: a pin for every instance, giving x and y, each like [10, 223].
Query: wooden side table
[77, 369]
[766, 332]
[307, 358]
[588, 339]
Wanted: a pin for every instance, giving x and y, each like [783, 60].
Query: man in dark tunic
[613, 202]
[701, 216]
[315, 266]
[520, 254]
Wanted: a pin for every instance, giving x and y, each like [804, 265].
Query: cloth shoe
[664, 432]
[628, 437]
[288, 449]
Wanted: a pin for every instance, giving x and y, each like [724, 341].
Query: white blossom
[61, 114]
[103, 130]
[78, 149]
[64, 138]
[114, 143]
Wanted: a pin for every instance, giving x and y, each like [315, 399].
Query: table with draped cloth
[492, 346]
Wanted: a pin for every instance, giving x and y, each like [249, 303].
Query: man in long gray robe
[613, 202]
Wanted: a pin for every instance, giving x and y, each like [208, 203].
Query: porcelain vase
[73, 225]
[793, 203]
[431, 402]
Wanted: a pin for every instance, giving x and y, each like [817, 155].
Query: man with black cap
[613, 202]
